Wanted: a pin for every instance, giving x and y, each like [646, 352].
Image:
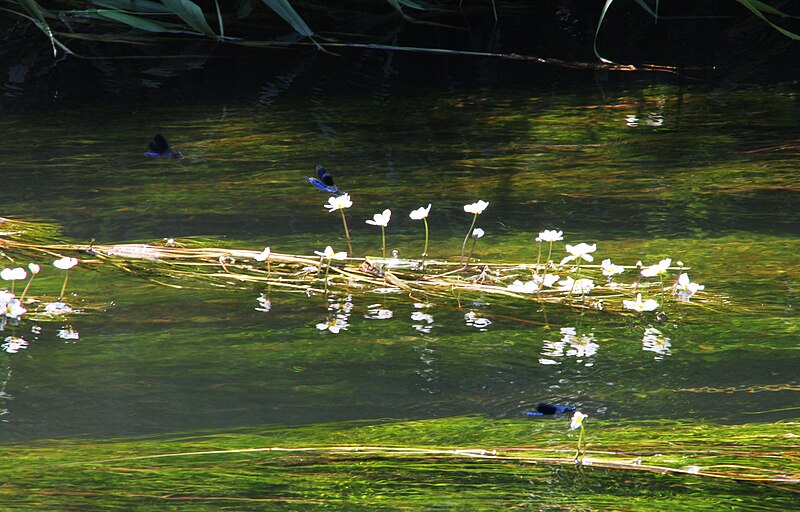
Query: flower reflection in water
[377, 312]
[478, 322]
[580, 346]
[426, 321]
[654, 341]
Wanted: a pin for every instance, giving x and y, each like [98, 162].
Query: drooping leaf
[759, 8]
[285, 10]
[219, 19]
[597, 31]
[38, 14]
[647, 8]
[190, 13]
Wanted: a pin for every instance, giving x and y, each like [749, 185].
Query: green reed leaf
[285, 10]
[190, 13]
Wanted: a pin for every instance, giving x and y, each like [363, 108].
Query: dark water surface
[646, 171]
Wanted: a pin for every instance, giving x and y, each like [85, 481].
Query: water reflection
[654, 341]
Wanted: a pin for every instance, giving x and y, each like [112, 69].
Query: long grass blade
[190, 13]
[138, 6]
[134, 21]
[285, 10]
[38, 14]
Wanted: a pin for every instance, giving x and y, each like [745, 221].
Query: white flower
[549, 235]
[57, 308]
[609, 269]
[65, 263]
[263, 255]
[420, 213]
[14, 309]
[577, 420]
[580, 251]
[579, 286]
[549, 280]
[330, 255]
[34, 268]
[638, 305]
[13, 274]
[660, 268]
[526, 287]
[339, 202]
[686, 288]
[334, 325]
[476, 208]
[534, 285]
[13, 344]
[5, 298]
[477, 233]
[381, 219]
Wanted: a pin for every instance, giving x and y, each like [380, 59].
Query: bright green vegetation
[413, 466]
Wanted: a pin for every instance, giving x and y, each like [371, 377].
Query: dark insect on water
[159, 146]
[324, 181]
[550, 410]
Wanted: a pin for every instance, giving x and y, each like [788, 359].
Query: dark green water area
[164, 393]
